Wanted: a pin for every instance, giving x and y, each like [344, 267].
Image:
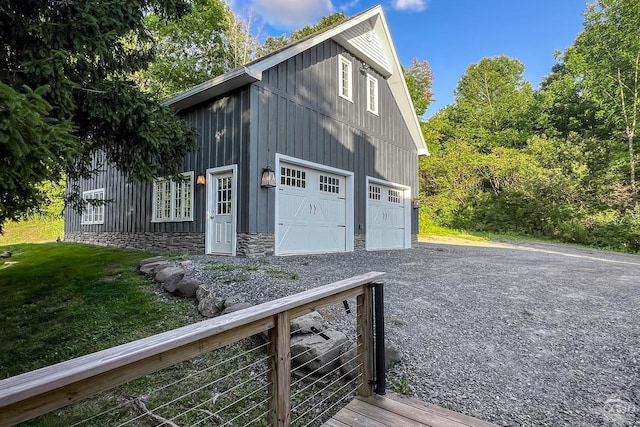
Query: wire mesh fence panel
[224, 387]
[325, 366]
[296, 366]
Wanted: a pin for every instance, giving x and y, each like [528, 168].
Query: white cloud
[415, 5]
[293, 14]
[346, 7]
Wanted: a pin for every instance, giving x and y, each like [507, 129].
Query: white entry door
[221, 212]
[311, 214]
[386, 217]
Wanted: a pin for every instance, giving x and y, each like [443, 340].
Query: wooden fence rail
[44, 390]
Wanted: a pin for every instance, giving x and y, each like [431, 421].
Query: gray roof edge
[211, 88]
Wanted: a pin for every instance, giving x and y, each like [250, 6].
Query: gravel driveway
[527, 334]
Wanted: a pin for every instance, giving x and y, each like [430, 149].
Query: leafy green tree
[419, 79]
[447, 182]
[190, 50]
[242, 46]
[560, 161]
[34, 147]
[207, 42]
[479, 176]
[493, 102]
[606, 55]
[564, 105]
[66, 95]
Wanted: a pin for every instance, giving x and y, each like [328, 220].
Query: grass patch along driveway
[63, 300]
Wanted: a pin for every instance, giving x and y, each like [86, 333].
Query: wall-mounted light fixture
[416, 203]
[364, 68]
[201, 179]
[268, 179]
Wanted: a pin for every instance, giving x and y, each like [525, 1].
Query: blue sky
[449, 34]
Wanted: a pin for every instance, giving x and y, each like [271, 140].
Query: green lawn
[63, 300]
[34, 230]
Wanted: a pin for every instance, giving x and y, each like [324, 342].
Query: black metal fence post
[381, 382]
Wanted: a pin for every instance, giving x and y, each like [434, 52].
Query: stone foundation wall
[248, 244]
[178, 243]
[255, 244]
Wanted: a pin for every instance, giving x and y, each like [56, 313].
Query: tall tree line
[559, 161]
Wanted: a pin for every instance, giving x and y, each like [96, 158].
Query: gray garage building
[311, 149]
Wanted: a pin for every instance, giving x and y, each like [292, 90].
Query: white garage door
[385, 217]
[311, 214]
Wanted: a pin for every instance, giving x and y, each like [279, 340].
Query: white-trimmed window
[345, 78]
[173, 201]
[372, 94]
[93, 213]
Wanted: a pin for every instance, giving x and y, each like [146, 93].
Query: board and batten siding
[297, 112]
[222, 127]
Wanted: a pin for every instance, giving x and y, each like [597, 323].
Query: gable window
[93, 213]
[372, 94]
[344, 73]
[173, 201]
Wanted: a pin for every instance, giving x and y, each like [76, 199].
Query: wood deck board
[457, 416]
[350, 418]
[396, 411]
[334, 423]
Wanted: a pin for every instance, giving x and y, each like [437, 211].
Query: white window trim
[341, 88]
[172, 217]
[371, 79]
[92, 211]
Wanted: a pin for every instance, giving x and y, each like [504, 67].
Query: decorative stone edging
[315, 348]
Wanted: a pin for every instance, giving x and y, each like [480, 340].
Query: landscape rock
[152, 260]
[234, 299]
[392, 354]
[236, 307]
[203, 292]
[304, 324]
[169, 277]
[316, 353]
[208, 303]
[153, 267]
[187, 287]
[349, 362]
